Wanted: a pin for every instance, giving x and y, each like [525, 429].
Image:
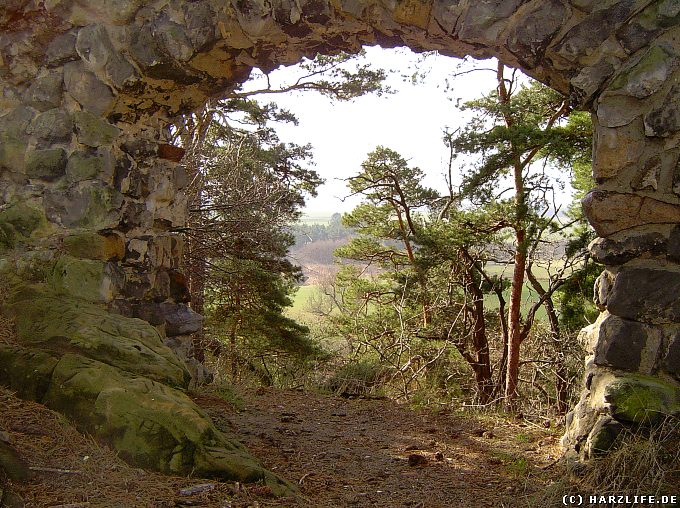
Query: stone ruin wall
[92, 196]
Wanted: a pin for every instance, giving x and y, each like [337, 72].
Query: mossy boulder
[637, 398]
[18, 222]
[84, 166]
[115, 379]
[57, 323]
[86, 204]
[150, 424]
[92, 280]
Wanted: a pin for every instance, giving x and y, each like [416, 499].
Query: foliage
[517, 132]
[416, 290]
[247, 187]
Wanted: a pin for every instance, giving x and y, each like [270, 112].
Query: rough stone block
[199, 18]
[642, 399]
[46, 91]
[94, 131]
[647, 76]
[528, 39]
[664, 121]
[56, 323]
[617, 251]
[485, 19]
[94, 46]
[603, 436]
[96, 246]
[176, 319]
[87, 166]
[88, 204]
[620, 343]
[87, 89]
[48, 164]
[23, 218]
[118, 12]
[92, 280]
[612, 212]
[646, 295]
[173, 38]
[586, 36]
[53, 126]
[62, 49]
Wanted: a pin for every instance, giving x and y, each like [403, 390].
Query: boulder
[114, 377]
[57, 322]
[11, 463]
[636, 398]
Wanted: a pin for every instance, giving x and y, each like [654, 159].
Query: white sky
[410, 121]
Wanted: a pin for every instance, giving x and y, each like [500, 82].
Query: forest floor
[339, 452]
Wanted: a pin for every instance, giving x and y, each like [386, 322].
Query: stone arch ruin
[91, 194]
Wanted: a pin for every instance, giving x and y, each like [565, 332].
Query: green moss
[48, 164]
[94, 131]
[23, 218]
[92, 245]
[637, 398]
[101, 203]
[12, 153]
[148, 423]
[61, 324]
[82, 278]
[84, 167]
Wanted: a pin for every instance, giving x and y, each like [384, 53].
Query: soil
[339, 452]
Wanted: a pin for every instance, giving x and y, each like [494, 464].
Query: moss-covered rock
[23, 218]
[93, 130]
[82, 166]
[116, 379]
[85, 278]
[94, 245]
[26, 370]
[17, 223]
[603, 436]
[150, 424]
[642, 399]
[58, 324]
[48, 164]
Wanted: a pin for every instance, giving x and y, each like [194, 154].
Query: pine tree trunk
[514, 323]
[482, 360]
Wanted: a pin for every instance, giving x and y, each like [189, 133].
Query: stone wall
[91, 194]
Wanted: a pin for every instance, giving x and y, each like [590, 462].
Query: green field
[301, 301]
[300, 309]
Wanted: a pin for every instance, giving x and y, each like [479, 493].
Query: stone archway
[90, 194]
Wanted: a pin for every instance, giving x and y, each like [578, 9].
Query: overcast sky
[410, 121]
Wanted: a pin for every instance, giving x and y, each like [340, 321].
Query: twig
[304, 476]
[55, 470]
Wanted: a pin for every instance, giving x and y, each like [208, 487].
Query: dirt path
[358, 452]
[341, 453]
